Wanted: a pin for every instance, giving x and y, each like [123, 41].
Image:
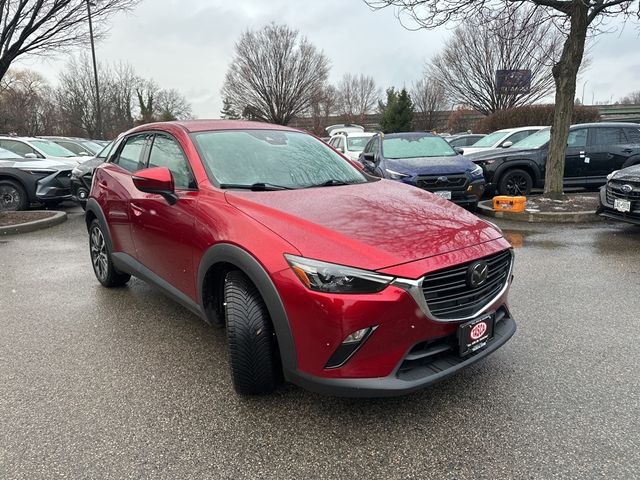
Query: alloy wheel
[10, 198]
[99, 254]
[516, 185]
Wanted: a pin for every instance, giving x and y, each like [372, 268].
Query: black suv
[620, 197]
[594, 150]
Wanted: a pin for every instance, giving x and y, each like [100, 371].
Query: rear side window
[17, 147]
[516, 137]
[130, 155]
[577, 138]
[166, 152]
[633, 134]
[608, 136]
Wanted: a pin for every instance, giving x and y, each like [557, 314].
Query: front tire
[252, 348]
[103, 267]
[13, 197]
[515, 182]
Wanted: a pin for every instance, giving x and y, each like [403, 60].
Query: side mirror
[84, 154]
[340, 149]
[459, 150]
[30, 155]
[369, 157]
[506, 144]
[158, 180]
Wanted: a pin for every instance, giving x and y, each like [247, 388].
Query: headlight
[477, 171]
[332, 278]
[38, 171]
[395, 175]
[610, 176]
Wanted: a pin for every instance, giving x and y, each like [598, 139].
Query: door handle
[137, 210]
[627, 150]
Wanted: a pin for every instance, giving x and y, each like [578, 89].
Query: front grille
[449, 297]
[442, 182]
[63, 178]
[613, 191]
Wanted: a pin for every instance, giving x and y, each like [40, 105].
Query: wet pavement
[123, 383]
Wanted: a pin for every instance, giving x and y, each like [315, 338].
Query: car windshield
[91, 147]
[357, 144]
[413, 146]
[104, 153]
[537, 140]
[7, 154]
[52, 149]
[273, 157]
[490, 140]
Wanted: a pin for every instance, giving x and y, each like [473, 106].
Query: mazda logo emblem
[477, 274]
[626, 188]
[443, 179]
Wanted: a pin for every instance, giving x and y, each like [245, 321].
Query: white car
[501, 139]
[342, 128]
[40, 148]
[351, 144]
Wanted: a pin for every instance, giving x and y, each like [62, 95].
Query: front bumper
[54, 187]
[469, 194]
[403, 382]
[80, 188]
[384, 363]
[605, 209]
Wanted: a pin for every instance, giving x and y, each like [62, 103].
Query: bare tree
[147, 92]
[357, 96]
[514, 39]
[40, 27]
[275, 74]
[429, 99]
[26, 104]
[172, 105]
[575, 17]
[322, 106]
[76, 99]
[632, 99]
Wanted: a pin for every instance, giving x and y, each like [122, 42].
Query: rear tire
[515, 182]
[252, 348]
[103, 267]
[13, 196]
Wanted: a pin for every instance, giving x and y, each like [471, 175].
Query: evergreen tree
[397, 112]
[227, 111]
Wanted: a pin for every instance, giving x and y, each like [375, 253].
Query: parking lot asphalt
[124, 383]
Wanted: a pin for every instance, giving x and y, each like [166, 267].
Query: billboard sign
[513, 82]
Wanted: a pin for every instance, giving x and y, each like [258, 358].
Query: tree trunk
[565, 73]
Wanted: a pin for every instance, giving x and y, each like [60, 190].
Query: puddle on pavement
[520, 239]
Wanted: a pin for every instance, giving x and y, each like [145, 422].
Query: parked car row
[39, 169]
[594, 150]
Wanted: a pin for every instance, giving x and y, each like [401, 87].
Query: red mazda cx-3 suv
[336, 281]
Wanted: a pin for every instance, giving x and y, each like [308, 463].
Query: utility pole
[95, 73]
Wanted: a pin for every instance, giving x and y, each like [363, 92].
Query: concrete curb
[55, 219]
[486, 208]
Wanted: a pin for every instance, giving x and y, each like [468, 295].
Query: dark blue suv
[426, 161]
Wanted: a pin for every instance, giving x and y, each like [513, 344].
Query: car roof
[607, 124]
[193, 126]
[409, 134]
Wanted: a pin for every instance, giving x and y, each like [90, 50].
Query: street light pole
[583, 85]
[95, 74]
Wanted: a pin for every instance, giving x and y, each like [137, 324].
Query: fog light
[470, 188]
[82, 194]
[356, 337]
[349, 347]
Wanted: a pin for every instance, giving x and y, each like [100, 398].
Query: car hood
[26, 163]
[631, 174]
[372, 225]
[89, 165]
[430, 165]
[494, 153]
[73, 161]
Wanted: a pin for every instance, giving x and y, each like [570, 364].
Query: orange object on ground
[504, 203]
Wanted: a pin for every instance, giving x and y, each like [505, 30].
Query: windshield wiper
[256, 187]
[332, 183]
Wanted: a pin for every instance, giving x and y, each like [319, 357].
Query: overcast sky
[187, 44]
